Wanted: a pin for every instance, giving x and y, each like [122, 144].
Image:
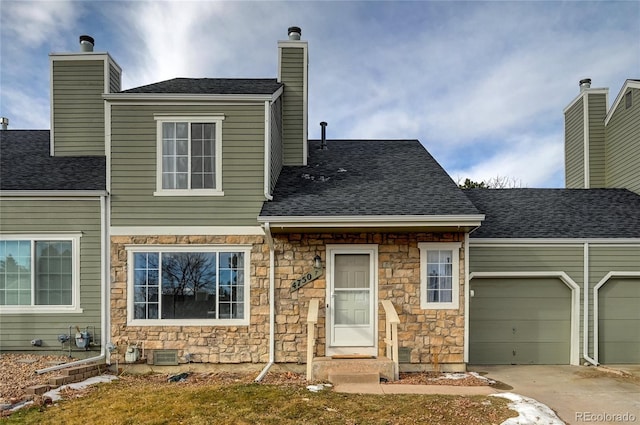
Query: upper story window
[188, 285]
[439, 275]
[189, 156]
[39, 274]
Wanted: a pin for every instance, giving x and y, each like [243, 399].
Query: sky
[481, 84]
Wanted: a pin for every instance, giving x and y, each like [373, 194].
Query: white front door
[352, 299]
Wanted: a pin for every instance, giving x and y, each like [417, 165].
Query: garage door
[519, 321]
[619, 321]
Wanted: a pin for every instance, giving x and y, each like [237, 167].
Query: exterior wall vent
[164, 358]
[4, 123]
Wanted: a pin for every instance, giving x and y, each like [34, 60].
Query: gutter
[104, 311]
[272, 304]
[585, 328]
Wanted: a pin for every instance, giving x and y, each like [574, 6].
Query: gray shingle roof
[211, 86]
[25, 164]
[557, 213]
[367, 177]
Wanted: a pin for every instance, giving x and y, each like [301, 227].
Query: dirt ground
[18, 372]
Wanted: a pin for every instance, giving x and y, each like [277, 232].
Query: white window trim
[455, 278]
[209, 118]
[75, 278]
[246, 249]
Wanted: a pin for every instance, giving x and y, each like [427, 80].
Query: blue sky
[481, 84]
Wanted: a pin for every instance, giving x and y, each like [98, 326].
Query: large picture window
[38, 274]
[194, 285]
[439, 264]
[189, 156]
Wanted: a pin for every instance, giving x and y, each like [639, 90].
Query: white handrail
[312, 320]
[391, 336]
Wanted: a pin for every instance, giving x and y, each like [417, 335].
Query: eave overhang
[279, 224]
[166, 97]
[52, 193]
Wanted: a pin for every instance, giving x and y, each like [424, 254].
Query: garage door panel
[541, 352]
[503, 331]
[619, 321]
[529, 309]
[520, 321]
[492, 353]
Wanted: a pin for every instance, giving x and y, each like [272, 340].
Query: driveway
[578, 394]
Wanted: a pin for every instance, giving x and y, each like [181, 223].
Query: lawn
[141, 400]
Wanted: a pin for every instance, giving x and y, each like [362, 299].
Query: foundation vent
[164, 358]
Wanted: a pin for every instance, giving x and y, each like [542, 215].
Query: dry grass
[153, 400]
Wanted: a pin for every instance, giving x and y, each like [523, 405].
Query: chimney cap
[86, 43]
[585, 83]
[294, 33]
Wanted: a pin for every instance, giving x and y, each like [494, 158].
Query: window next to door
[439, 275]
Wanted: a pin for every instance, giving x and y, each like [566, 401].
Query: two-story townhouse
[231, 238]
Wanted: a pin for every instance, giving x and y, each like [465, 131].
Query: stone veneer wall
[425, 332]
[206, 344]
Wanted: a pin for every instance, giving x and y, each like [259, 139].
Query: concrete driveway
[578, 394]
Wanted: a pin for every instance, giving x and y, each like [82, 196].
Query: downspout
[272, 304]
[104, 284]
[585, 329]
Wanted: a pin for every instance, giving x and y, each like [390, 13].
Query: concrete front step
[325, 366]
[354, 378]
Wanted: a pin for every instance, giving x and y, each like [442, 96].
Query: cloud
[529, 159]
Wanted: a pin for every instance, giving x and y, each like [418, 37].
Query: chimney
[4, 122]
[294, 33]
[86, 43]
[585, 83]
[293, 67]
[323, 142]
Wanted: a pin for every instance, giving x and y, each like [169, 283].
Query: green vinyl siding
[568, 259]
[114, 79]
[618, 303]
[574, 145]
[78, 108]
[292, 75]
[134, 167]
[597, 103]
[276, 142]
[623, 145]
[28, 217]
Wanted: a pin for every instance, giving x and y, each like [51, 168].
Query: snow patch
[530, 411]
[55, 393]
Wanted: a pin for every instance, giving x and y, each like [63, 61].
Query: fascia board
[629, 84]
[373, 221]
[51, 193]
[159, 97]
[563, 241]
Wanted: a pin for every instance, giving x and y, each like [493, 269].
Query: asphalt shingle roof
[557, 213]
[211, 86]
[367, 177]
[25, 164]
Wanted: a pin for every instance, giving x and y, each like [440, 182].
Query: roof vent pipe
[86, 43]
[585, 84]
[323, 141]
[294, 33]
[4, 122]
